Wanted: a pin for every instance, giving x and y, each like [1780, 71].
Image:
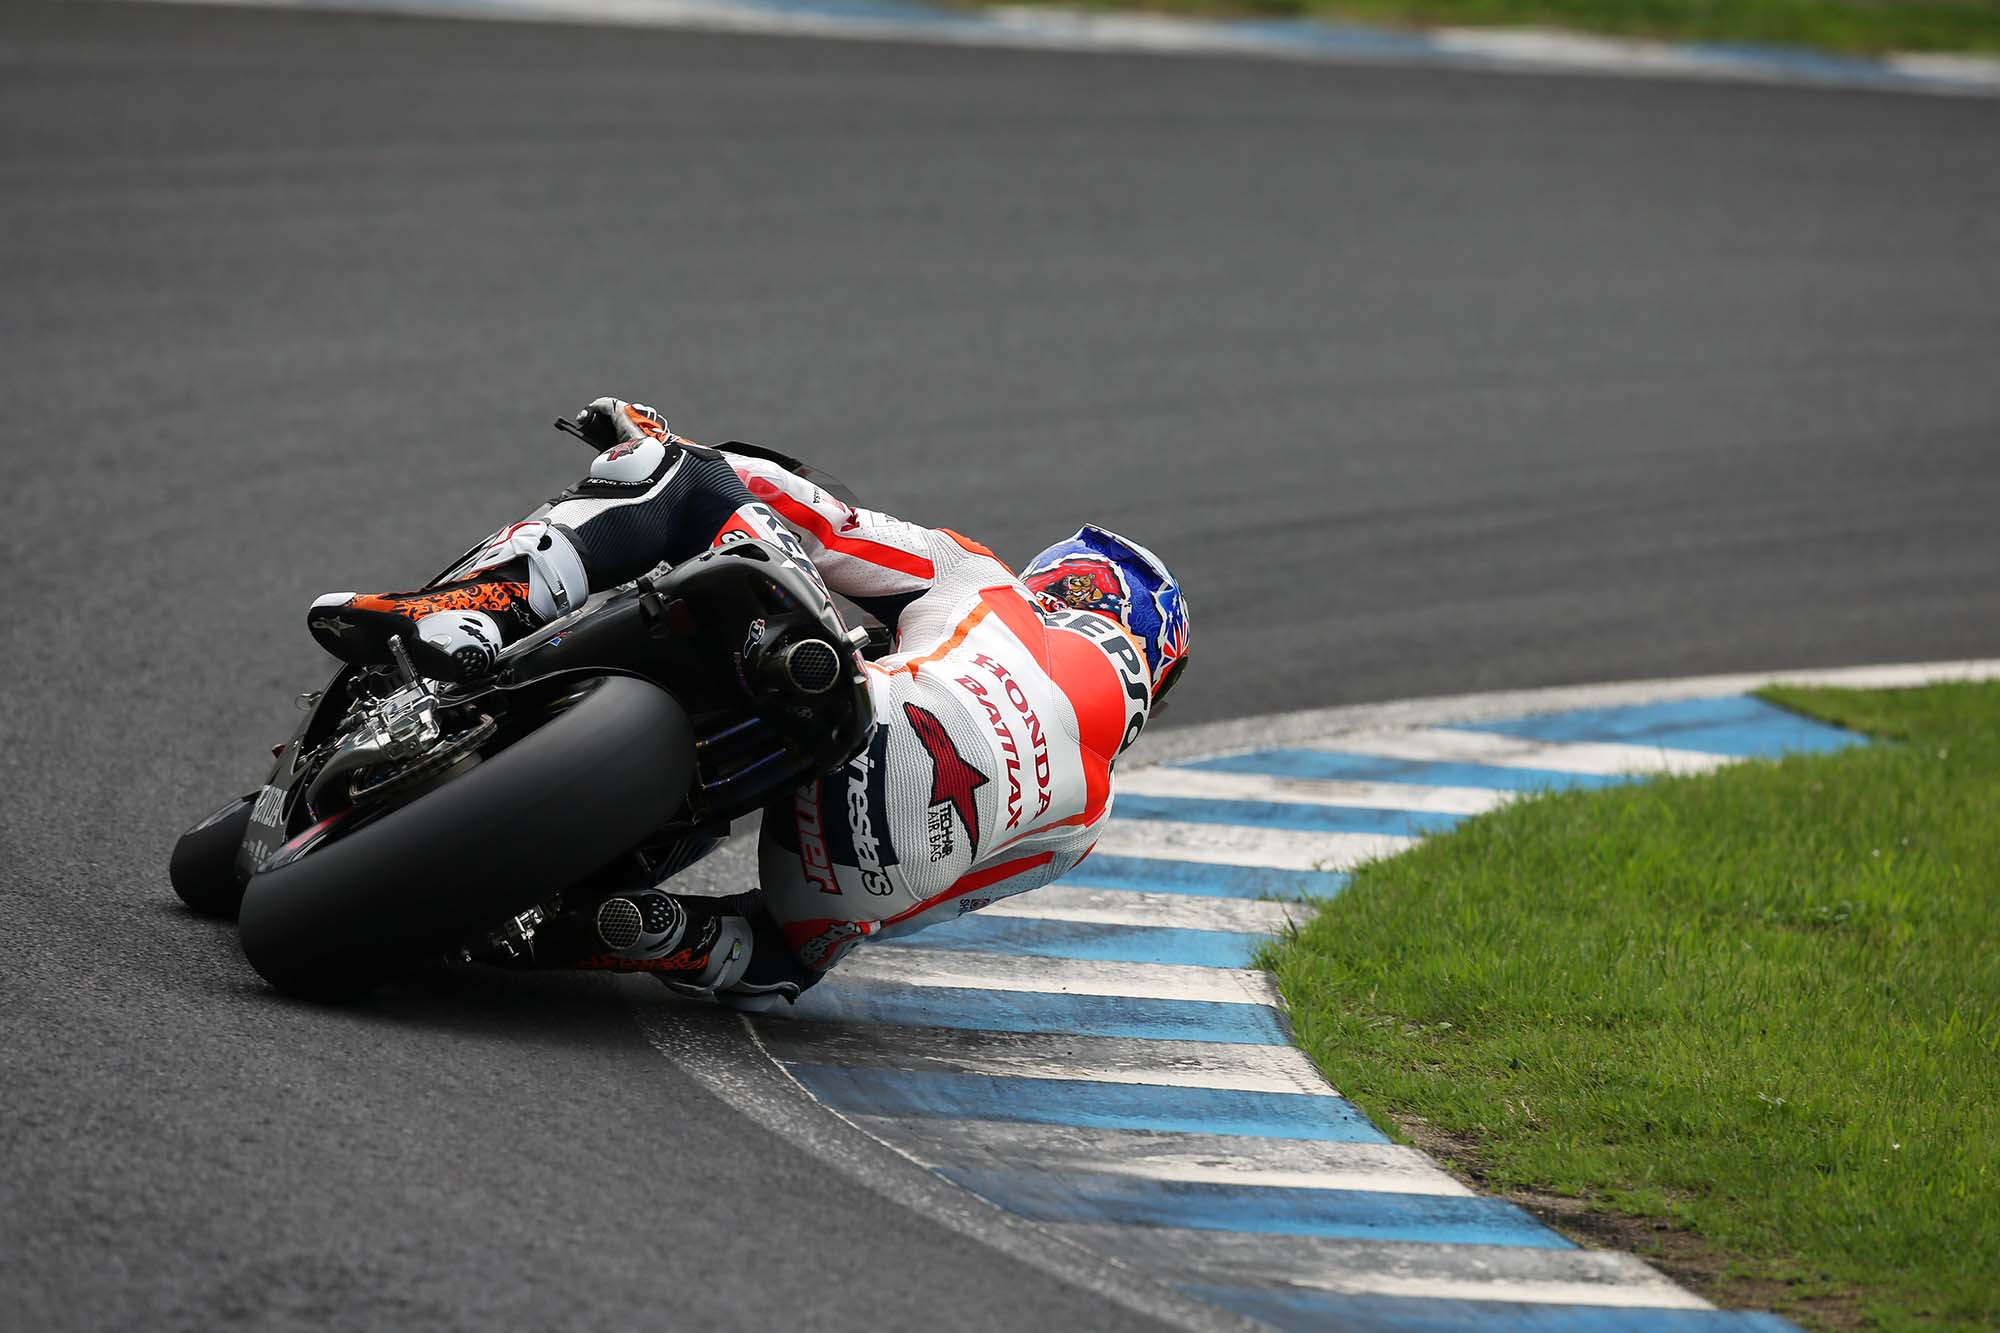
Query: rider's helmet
[1098, 570]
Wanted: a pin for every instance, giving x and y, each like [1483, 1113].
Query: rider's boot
[523, 577]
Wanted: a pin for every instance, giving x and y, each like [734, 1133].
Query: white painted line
[1058, 976]
[1129, 907]
[1173, 1064]
[720, 1052]
[1242, 845]
[1395, 1268]
[1203, 1158]
[1195, 784]
[1441, 745]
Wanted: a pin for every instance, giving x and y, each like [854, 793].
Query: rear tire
[520, 826]
[203, 867]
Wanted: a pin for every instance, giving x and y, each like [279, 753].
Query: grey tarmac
[1426, 381]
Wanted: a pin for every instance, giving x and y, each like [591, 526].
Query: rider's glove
[610, 422]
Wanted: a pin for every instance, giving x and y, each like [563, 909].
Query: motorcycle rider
[1000, 711]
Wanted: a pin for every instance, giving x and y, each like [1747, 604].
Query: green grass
[1855, 26]
[1762, 1005]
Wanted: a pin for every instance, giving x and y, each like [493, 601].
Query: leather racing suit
[997, 728]
[997, 722]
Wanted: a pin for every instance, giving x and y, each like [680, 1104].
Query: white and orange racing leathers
[997, 728]
[997, 723]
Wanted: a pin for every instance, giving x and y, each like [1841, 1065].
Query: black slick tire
[522, 825]
[203, 866]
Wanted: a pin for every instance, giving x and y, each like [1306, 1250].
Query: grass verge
[1747, 1021]
[1851, 26]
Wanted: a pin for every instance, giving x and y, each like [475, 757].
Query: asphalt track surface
[1426, 381]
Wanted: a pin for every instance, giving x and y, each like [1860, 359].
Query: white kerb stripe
[1578, 51]
[1243, 845]
[1981, 70]
[1129, 907]
[1057, 976]
[1174, 1064]
[1197, 784]
[1486, 1289]
[1393, 1268]
[1152, 1155]
[1445, 745]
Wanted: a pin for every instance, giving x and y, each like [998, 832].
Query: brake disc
[433, 764]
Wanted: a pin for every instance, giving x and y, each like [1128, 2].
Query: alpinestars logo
[864, 793]
[953, 782]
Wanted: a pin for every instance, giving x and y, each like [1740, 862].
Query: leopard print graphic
[483, 596]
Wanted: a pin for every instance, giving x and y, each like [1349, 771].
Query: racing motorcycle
[410, 818]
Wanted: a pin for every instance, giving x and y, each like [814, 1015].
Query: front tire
[520, 826]
[203, 867]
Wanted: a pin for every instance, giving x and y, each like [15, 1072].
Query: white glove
[610, 422]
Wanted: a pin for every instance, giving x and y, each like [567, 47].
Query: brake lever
[568, 427]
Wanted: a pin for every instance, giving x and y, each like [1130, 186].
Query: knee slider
[728, 959]
[557, 583]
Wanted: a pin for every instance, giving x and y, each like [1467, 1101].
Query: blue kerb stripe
[1740, 726]
[1087, 1197]
[1049, 1101]
[1333, 764]
[1073, 939]
[1194, 878]
[1286, 815]
[863, 9]
[1335, 36]
[1303, 1309]
[1798, 60]
[1024, 1011]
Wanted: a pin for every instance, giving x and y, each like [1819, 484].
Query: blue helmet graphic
[1098, 570]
